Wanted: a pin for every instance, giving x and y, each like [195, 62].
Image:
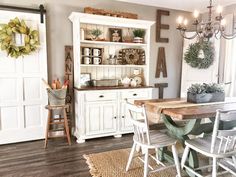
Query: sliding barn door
[22, 94]
[194, 75]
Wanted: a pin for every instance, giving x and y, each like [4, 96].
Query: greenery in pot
[139, 33]
[204, 93]
[95, 33]
[205, 88]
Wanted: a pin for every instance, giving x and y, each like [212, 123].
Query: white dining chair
[146, 140]
[220, 146]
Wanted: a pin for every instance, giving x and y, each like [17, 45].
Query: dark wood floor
[58, 160]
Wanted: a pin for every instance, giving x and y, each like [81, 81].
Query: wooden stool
[57, 121]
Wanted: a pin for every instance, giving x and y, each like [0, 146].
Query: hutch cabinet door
[125, 123]
[101, 118]
[22, 94]
[109, 117]
[93, 118]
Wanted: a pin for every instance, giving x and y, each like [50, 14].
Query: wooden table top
[194, 112]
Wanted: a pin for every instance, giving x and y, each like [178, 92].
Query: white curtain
[228, 60]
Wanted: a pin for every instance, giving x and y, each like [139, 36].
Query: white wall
[229, 9]
[59, 34]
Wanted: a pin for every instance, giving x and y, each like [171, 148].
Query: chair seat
[158, 139]
[203, 145]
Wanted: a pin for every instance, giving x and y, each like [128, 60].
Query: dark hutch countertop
[110, 88]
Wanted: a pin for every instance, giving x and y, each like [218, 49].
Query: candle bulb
[180, 20]
[196, 14]
[185, 22]
[219, 9]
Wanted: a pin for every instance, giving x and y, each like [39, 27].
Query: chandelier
[206, 29]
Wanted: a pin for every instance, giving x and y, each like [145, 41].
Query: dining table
[185, 120]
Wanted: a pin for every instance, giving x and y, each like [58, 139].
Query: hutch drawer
[100, 96]
[135, 94]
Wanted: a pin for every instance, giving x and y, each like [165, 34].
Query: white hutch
[100, 111]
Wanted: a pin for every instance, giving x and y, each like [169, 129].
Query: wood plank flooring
[30, 159]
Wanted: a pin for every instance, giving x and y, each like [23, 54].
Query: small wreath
[7, 38]
[192, 55]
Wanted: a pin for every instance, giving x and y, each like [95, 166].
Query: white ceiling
[186, 5]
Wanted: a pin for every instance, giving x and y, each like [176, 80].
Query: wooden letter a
[161, 63]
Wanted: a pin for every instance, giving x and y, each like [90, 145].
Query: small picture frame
[115, 34]
[85, 79]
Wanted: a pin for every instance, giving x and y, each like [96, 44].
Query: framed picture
[85, 79]
[115, 34]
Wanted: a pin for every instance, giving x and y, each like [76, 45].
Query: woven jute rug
[113, 163]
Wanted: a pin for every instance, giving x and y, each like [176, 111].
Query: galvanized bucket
[57, 97]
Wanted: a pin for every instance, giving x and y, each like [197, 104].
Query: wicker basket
[57, 97]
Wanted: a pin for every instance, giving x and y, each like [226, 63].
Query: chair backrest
[139, 120]
[225, 137]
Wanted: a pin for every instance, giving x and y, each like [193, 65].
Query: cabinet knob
[115, 117]
[122, 117]
[135, 94]
[101, 96]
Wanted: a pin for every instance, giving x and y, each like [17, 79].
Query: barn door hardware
[40, 11]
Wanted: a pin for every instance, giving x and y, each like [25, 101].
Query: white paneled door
[22, 94]
[194, 75]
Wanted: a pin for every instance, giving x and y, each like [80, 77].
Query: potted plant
[203, 93]
[95, 34]
[139, 35]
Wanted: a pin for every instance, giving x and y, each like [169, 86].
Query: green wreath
[7, 42]
[192, 55]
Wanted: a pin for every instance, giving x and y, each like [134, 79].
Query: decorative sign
[161, 63]
[69, 75]
[160, 26]
[115, 34]
[90, 10]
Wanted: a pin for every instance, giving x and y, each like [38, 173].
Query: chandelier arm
[216, 36]
[184, 36]
[228, 36]
[216, 32]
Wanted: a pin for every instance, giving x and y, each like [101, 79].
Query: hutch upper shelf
[112, 43]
